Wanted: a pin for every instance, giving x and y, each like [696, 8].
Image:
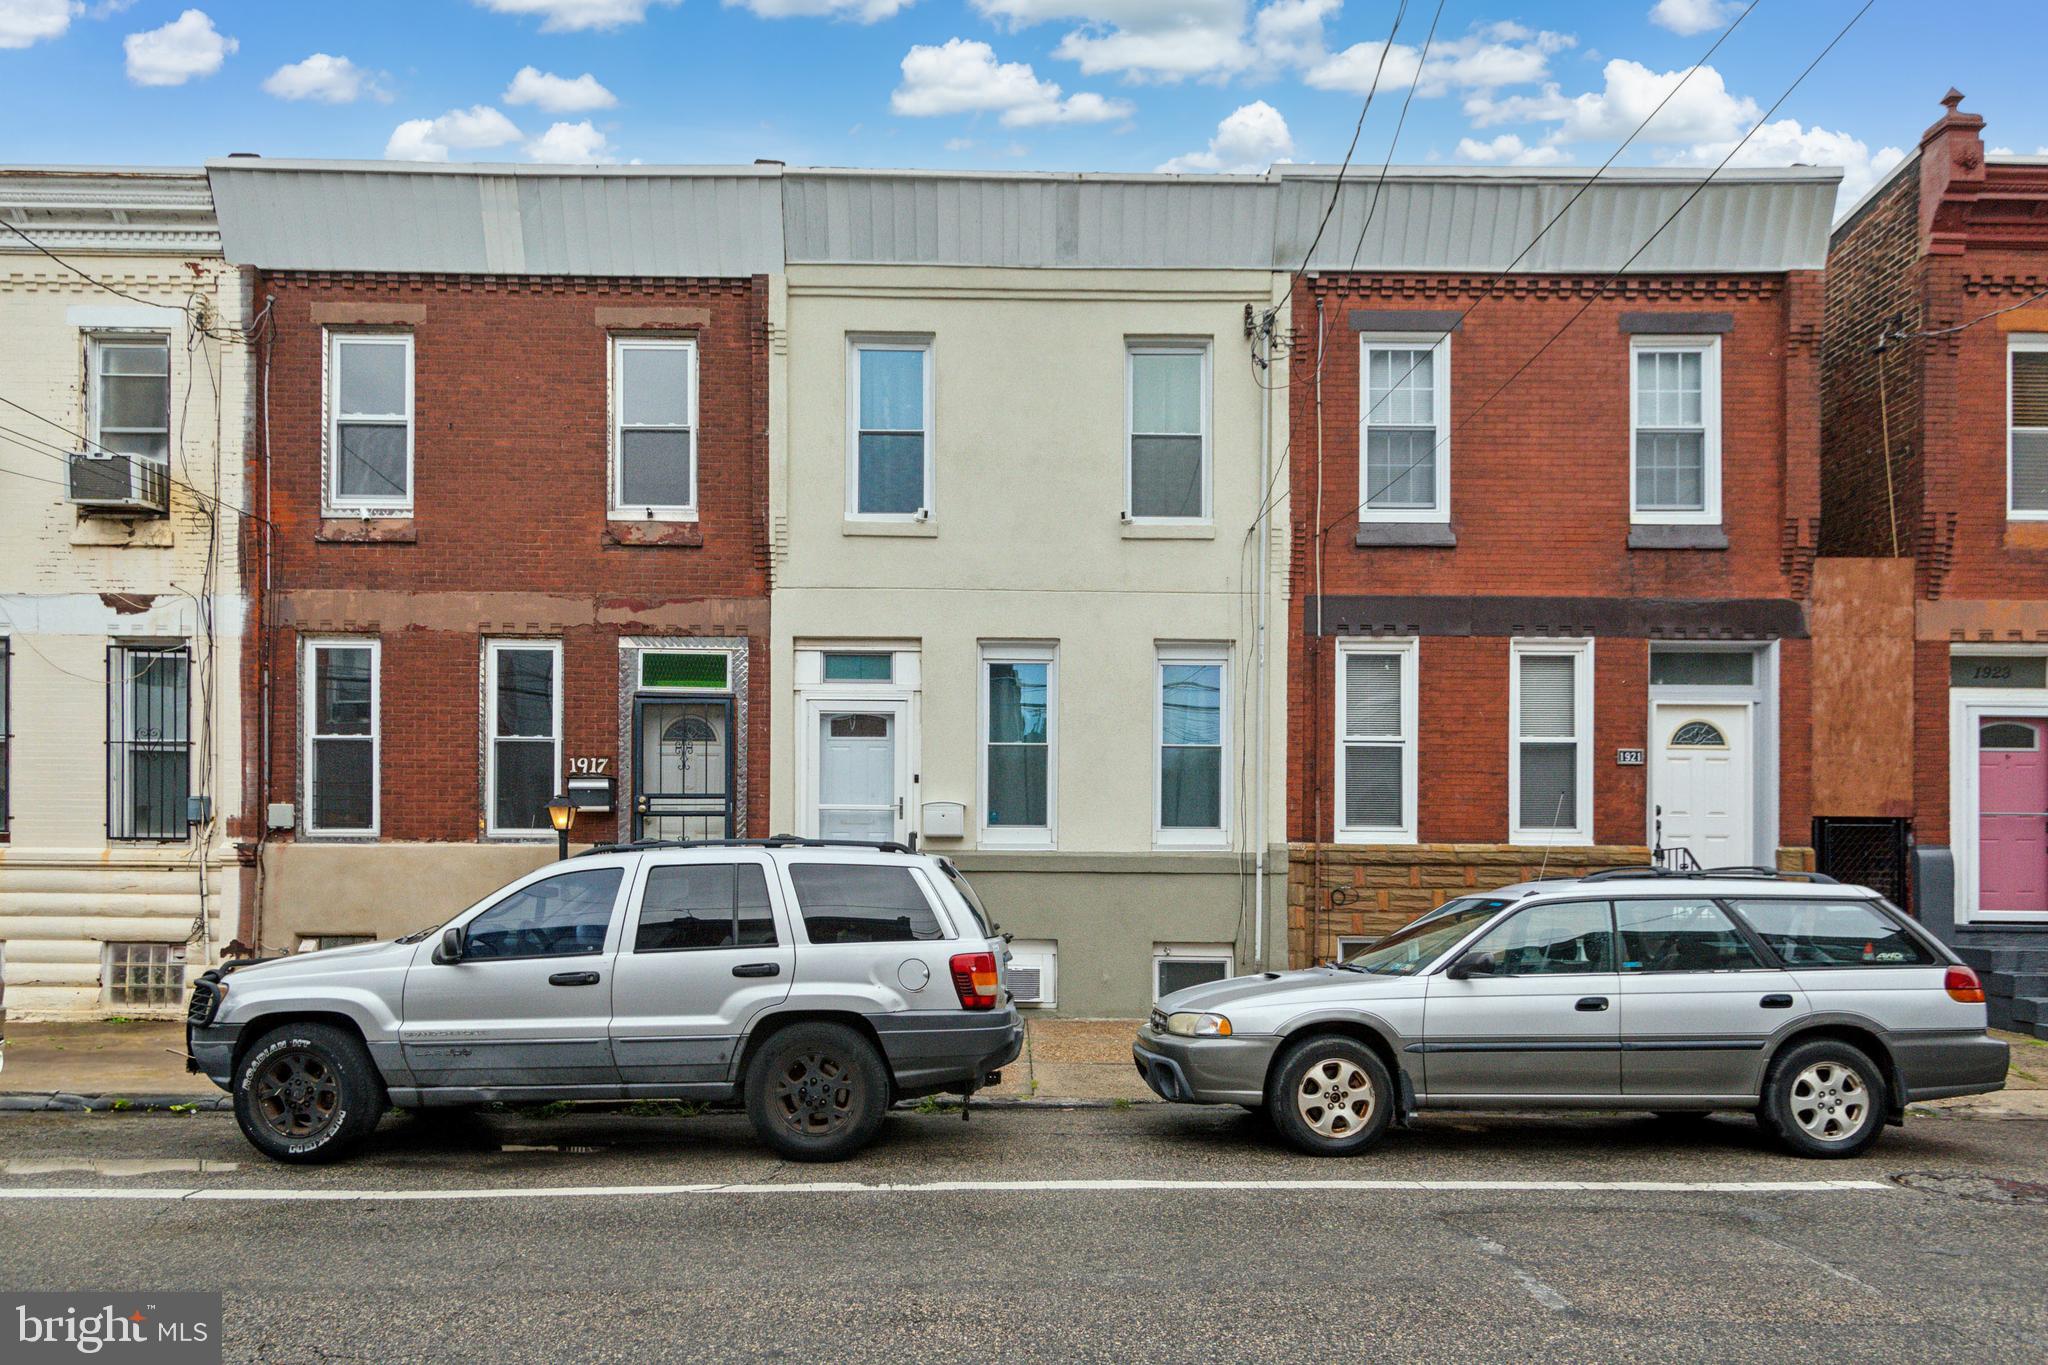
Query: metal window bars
[149, 748]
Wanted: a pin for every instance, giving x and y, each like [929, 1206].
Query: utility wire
[1337, 188]
[57, 452]
[1966, 326]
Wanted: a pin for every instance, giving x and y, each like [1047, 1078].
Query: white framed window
[889, 459]
[654, 427]
[1019, 744]
[1376, 741]
[1166, 437]
[523, 729]
[1674, 408]
[1177, 966]
[129, 394]
[2026, 497]
[1404, 429]
[369, 422]
[1550, 749]
[342, 736]
[1192, 726]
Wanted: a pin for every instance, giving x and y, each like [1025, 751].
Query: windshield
[1415, 945]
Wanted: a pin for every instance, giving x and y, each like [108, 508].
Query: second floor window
[1404, 429]
[131, 395]
[1675, 456]
[889, 467]
[2027, 495]
[370, 436]
[1167, 470]
[654, 426]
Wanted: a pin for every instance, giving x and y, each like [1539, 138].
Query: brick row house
[513, 438]
[1936, 536]
[1555, 464]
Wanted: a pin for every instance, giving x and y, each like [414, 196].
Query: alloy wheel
[1830, 1102]
[296, 1094]
[814, 1093]
[1335, 1098]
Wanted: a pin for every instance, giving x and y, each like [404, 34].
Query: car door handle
[1592, 1003]
[758, 969]
[573, 979]
[1776, 1002]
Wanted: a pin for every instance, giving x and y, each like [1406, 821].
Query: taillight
[1962, 984]
[974, 978]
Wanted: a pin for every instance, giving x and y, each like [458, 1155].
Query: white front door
[860, 788]
[1702, 783]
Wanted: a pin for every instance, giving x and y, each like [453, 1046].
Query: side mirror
[1473, 964]
[451, 945]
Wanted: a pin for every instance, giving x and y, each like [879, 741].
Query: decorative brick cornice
[1686, 287]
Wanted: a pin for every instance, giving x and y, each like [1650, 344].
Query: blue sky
[1037, 84]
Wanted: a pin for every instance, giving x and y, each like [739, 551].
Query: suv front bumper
[1204, 1070]
[211, 1049]
[931, 1051]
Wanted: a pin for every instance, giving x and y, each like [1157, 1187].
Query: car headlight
[1191, 1025]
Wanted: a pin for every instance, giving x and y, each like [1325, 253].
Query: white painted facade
[93, 922]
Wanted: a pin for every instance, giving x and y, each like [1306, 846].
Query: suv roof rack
[1740, 873]
[772, 841]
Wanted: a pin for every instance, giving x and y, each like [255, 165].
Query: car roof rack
[772, 841]
[1738, 873]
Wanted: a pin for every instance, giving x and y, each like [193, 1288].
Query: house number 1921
[1629, 758]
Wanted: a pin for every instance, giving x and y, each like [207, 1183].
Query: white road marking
[56, 1192]
[118, 1165]
[1531, 1286]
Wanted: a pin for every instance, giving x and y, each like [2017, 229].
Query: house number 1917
[582, 767]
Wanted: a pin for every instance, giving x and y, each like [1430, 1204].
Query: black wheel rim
[815, 1093]
[296, 1094]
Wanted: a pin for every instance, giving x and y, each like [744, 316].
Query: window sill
[2024, 532]
[1367, 838]
[372, 530]
[654, 532]
[1667, 536]
[923, 529]
[1437, 535]
[1167, 530]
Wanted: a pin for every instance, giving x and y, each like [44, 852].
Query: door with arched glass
[683, 769]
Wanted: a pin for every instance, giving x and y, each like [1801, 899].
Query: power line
[1337, 188]
[1966, 326]
[57, 452]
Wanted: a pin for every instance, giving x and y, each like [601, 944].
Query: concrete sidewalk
[141, 1066]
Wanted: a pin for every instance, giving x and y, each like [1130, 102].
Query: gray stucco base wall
[1106, 911]
[1934, 890]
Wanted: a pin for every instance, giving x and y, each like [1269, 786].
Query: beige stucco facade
[84, 911]
[1026, 552]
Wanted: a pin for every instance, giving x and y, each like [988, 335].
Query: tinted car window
[1816, 933]
[1568, 938]
[1681, 936]
[564, 916]
[851, 903]
[704, 905]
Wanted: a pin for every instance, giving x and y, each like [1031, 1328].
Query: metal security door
[683, 769]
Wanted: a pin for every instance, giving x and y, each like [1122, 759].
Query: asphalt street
[1157, 1232]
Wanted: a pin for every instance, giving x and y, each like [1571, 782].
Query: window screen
[851, 903]
[564, 916]
[2030, 430]
[1816, 933]
[704, 905]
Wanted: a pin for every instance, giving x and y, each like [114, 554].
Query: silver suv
[816, 981]
[1818, 1007]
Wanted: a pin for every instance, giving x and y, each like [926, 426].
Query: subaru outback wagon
[1820, 1008]
[816, 982]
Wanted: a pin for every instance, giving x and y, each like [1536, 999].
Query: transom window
[2010, 736]
[131, 395]
[1166, 477]
[523, 707]
[1698, 734]
[1675, 405]
[2027, 495]
[1376, 744]
[1404, 429]
[889, 464]
[1550, 763]
[654, 426]
[370, 413]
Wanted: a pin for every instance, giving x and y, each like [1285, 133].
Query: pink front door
[2012, 815]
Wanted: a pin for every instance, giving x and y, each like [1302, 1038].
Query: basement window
[144, 975]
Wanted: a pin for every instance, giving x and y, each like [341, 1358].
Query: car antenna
[1550, 839]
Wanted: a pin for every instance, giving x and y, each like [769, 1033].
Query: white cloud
[959, 144]
[1687, 17]
[1290, 32]
[1786, 142]
[423, 139]
[330, 80]
[861, 11]
[187, 48]
[1248, 141]
[962, 76]
[558, 94]
[579, 143]
[1488, 57]
[1701, 111]
[568, 16]
[1509, 150]
[24, 22]
[1164, 40]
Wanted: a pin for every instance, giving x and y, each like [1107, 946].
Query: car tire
[1825, 1099]
[1330, 1096]
[817, 1092]
[307, 1093]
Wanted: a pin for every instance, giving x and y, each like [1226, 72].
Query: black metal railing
[1871, 852]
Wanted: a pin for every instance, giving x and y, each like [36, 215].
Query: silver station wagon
[1818, 1007]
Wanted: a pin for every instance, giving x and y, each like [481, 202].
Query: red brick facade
[509, 535]
[1540, 510]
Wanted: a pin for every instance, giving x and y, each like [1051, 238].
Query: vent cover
[1026, 984]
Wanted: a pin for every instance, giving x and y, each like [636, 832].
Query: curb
[60, 1102]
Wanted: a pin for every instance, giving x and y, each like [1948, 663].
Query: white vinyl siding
[340, 683]
[1192, 806]
[654, 428]
[1020, 748]
[1376, 741]
[1404, 435]
[889, 460]
[1675, 430]
[523, 735]
[369, 422]
[2027, 437]
[1166, 466]
[1550, 756]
